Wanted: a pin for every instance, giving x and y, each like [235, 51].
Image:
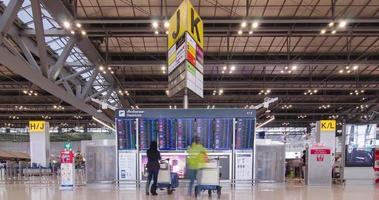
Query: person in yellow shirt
[197, 156]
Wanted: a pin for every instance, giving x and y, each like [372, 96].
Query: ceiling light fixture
[166, 24]
[264, 92]
[342, 24]
[286, 107]
[243, 24]
[66, 24]
[255, 24]
[220, 91]
[324, 107]
[155, 24]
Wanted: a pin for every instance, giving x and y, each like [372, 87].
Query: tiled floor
[260, 192]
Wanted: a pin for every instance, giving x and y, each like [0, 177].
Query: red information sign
[320, 151]
[67, 156]
[191, 58]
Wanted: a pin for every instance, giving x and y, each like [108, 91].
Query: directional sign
[185, 51]
[67, 146]
[36, 126]
[328, 125]
[185, 19]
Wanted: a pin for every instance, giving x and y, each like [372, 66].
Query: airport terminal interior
[189, 99]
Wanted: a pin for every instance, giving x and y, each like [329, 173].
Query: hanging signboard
[185, 54]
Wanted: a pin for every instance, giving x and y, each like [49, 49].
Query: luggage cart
[208, 179]
[166, 178]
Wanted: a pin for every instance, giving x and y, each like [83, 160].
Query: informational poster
[67, 170]
[244, 166]
[127, 166]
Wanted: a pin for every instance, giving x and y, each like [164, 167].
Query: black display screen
[360, 145]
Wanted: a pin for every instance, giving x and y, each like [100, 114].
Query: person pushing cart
[197, 156]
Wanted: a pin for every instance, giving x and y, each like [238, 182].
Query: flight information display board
[245, 133]
[126, 134]
[166, 134]
[184, 133]
[223, 133]
[147, 132]
[204, 129]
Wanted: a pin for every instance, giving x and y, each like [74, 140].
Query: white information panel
[127, 166]
[244, 166]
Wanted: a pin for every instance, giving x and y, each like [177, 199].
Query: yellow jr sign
[36, 126]
[185, 19]
[328, 125]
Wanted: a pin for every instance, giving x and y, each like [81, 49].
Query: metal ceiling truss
[31, 70]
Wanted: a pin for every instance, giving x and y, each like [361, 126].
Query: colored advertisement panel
[67, 169]
[185, 19]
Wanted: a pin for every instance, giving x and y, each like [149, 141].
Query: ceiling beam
[19, 66]
[60, 13]
[230, 20]
[9, 15]
[37, 18]
[56, 69]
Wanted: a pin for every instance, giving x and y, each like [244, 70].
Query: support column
[185, 100]
[326, 134]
